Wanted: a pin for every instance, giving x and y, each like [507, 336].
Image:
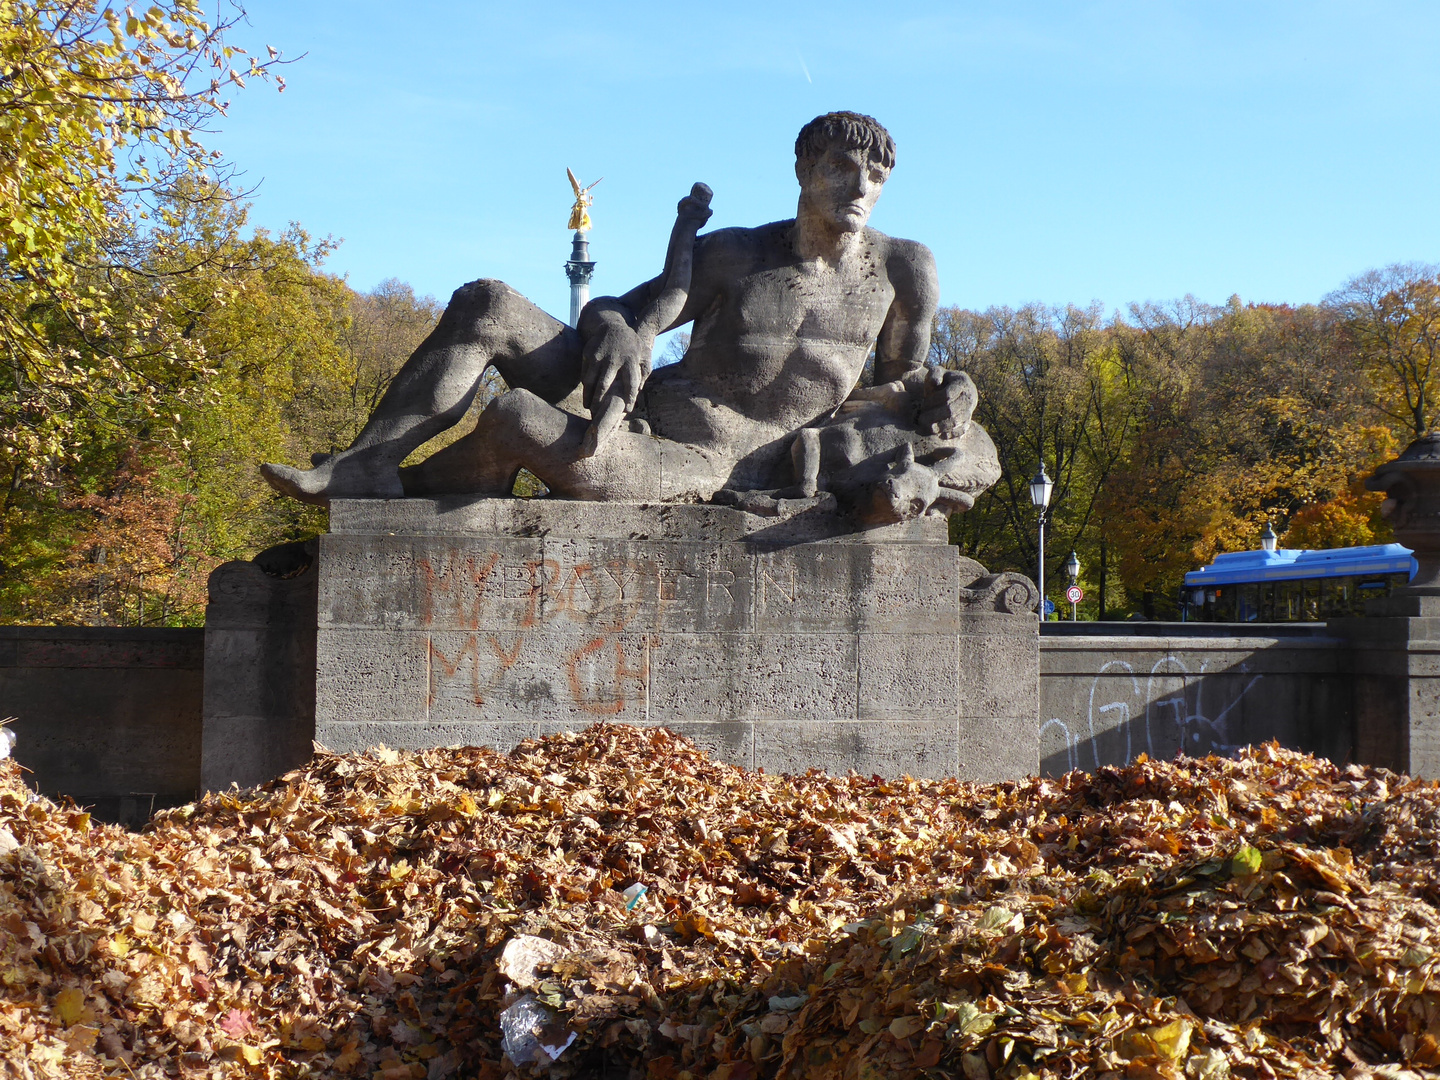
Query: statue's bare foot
[337, 476]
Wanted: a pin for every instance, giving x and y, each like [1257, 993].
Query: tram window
[1302, 600]
[1225, 605]
[1339, 599]
[1248, 602]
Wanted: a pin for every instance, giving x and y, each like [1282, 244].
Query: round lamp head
[1040, 488]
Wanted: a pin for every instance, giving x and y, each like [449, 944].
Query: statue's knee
[512, 409]
[485, 293]
[485, 300]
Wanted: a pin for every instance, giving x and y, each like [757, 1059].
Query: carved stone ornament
[1411, 484]
[1012, 594]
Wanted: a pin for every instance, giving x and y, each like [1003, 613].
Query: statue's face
[841, 186]
[906, 492]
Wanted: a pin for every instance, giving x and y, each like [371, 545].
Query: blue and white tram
[1291, 585]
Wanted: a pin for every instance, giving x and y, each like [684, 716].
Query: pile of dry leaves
[385, 915]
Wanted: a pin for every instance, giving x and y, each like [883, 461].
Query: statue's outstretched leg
[520, 430]
[485, 323]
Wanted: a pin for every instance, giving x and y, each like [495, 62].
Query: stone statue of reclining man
[785, 317]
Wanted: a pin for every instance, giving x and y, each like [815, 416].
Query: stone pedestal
[1395, 650]
[1395, 672]
[786, 643]
[259, 699]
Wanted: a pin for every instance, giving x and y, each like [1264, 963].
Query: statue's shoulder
[909, 264]
[898, 248]
[737, 238]
[728, 252]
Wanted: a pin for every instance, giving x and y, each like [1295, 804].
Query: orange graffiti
[470, 647]
[472, 579]
[537, 587]
[507, 660]
[610, 700]
[451, 667]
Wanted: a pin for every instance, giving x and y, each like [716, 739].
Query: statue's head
[905, 491]
[842, 160]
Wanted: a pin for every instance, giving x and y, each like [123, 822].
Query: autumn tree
[1253, 414]
[1391, 320]
[1173, 433]
[1053, 389]
[126, 527]
[101, 112]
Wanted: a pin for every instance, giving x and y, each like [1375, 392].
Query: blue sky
[1055, 152]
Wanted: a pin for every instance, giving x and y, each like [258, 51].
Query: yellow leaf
[70, 1005]
[1246, 862]
[1172, 1040]
[251, 1054]
[120, 945]
[1209, 1065]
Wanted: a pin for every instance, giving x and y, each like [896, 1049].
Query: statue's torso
[781, 342]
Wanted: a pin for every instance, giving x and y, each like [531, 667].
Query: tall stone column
[1395, 649]
[579, 270]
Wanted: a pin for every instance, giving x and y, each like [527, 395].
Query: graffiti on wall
[1168, 709]
[582, 629]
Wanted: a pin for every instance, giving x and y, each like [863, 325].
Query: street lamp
[1040, 488]
[1072, 567]
[1268, 539]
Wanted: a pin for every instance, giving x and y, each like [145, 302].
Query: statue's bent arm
[904, 341]
[608, 327]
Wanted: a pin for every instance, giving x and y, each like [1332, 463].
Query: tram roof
[1288, 564]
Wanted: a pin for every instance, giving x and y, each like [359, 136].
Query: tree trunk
[1102, 580]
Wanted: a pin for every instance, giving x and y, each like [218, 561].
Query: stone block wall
[110, 716]
[781, 644]
[259, 667]
[1113, 690]
[1394, 667]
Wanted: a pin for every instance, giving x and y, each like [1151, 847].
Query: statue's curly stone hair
[854, 131]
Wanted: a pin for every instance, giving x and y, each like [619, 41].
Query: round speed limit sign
[1074, 594]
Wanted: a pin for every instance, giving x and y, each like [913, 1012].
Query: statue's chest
[848, 304]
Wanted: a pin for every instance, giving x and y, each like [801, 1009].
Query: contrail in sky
[803, 68]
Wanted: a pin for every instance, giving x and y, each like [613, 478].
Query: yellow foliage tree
[99, 114]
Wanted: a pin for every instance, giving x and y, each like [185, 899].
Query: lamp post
[1072, 567]
[1040, 488]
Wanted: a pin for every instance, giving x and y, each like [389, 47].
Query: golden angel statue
[579, 213]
